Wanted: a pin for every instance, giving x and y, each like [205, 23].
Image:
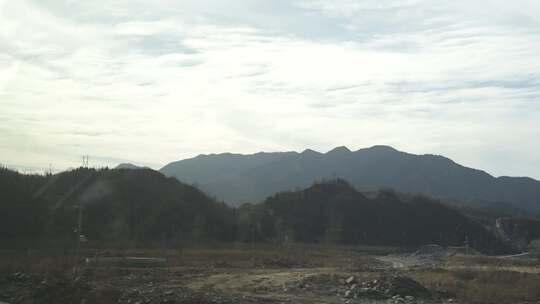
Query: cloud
[154, 82]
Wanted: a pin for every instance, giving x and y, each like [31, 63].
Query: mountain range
[237, 178]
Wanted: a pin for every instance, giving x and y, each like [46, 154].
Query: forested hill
[334, 212]
[141, 207]
[237, 178]
[131, 206]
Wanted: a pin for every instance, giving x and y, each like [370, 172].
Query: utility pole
[79, 222]
[466, 245]
[80, 238]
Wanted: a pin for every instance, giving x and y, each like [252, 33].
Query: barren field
[243, 274]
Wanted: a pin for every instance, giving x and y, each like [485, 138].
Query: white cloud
[152, 82]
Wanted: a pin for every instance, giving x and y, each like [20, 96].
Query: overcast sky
[151, 82]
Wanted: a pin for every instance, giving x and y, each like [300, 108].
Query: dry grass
[261, 257]
[234, 256]
[484, 286]
[489, 279]
[247, 256]
[41, 265]
[462, 260]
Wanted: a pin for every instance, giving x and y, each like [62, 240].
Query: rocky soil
[219, 286]
[238, 277]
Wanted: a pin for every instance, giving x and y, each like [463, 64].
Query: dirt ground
[303, 274]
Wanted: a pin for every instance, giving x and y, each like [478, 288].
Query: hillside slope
[131, 206]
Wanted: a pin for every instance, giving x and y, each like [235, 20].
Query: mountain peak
[340, 149]
[382, 148]
[310, 152]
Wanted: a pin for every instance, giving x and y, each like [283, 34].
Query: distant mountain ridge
[237, 178]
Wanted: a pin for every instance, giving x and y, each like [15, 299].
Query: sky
[150, 82]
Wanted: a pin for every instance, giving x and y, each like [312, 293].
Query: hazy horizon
[154, 82]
